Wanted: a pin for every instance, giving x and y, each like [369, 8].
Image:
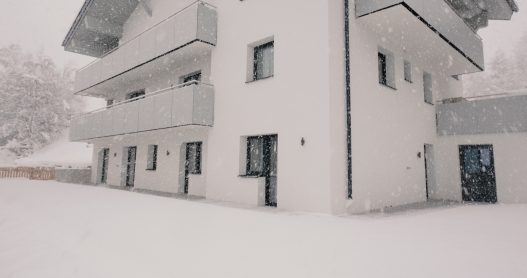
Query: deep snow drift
[56, 230]
[61, 153]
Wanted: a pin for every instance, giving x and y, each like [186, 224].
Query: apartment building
[324, 106]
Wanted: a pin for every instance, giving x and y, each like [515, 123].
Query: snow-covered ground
[49, 229]
[61, 153]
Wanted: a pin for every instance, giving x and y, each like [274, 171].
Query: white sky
[40, 25]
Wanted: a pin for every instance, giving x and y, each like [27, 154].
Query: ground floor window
[193, 157]
[151, 164]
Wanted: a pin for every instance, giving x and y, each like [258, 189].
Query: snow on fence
[32, 173]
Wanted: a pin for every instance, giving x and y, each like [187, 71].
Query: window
[407, 71]
[193, 158]
[427, 84]
[109, 102]
[195, 76]
[151, 164]
[383, 79]
[386, 68]
[135, 94]
[255, 156]
[456, 77]
[263, 61]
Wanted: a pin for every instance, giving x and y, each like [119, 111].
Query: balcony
[191, 103]
[426, 28]
[193, 29]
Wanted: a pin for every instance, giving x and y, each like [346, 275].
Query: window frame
[195, 169]
[428, 90]
[256, 60]
[183, 79]
[152, 155]
[248, 168]
[408, 76]
[386, 68]
[136, 95]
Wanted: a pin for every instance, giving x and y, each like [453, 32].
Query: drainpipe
[348, 93]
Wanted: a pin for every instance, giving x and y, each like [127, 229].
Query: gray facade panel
[489, 116]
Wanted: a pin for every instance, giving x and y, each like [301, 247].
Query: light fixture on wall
[419, 155]
[168, 153]
[302, 141]
[114, 154]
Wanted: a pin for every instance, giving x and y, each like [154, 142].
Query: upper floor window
[109, 102]
[263, 61]
[136, 94]
[195, 76]
[427, 86]
[386, 68]
[407, 71]
[152, 158]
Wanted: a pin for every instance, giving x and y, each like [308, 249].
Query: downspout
[348, 94]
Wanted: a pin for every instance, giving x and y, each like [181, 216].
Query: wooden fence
[32, 173]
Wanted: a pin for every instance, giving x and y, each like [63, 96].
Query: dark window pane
[255, 156]
[382, 69]
[192, 77]
[152, 157]
[194, 158]
[263, 61]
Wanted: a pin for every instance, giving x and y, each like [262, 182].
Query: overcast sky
[42, 24]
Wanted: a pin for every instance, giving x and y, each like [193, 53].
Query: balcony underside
[191, 105]
[190, 29]
[444, 41]
[119, 83]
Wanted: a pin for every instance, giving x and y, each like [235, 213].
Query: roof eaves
[82, 13]
[513, 5]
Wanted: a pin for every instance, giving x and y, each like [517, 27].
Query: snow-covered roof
[477, 13]
[98, 26]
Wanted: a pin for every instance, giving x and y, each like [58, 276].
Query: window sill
[256, 80]
[250, 176]
[409, 81]
[430, 103]
[151, 170]
[388, 86]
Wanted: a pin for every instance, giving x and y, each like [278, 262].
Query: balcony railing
[195, 23]
[191, 103]
[439, 16]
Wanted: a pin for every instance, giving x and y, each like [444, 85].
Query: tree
[35, 104]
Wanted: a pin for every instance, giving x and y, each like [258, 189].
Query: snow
[48, 229]
[61, 153]
[7, 158]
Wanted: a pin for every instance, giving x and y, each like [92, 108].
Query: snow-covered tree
[35, 100]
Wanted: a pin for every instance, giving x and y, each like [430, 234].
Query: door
[103, 168]
[270, 159]
[478, 177]
[130, 166]
[192, 162]
[429, 168]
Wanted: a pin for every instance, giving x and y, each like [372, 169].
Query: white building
[310, 105]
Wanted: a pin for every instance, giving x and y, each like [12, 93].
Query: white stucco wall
[293, 104]
[390, 127]
[167, 177]
[304, 99]
[510, 151]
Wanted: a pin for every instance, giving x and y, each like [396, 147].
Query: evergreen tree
[35, 100]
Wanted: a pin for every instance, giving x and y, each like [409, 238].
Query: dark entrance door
[478, 177]
[130, 166]
[262, 162]
[429, 168]
[270, 147]
[104, 159]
